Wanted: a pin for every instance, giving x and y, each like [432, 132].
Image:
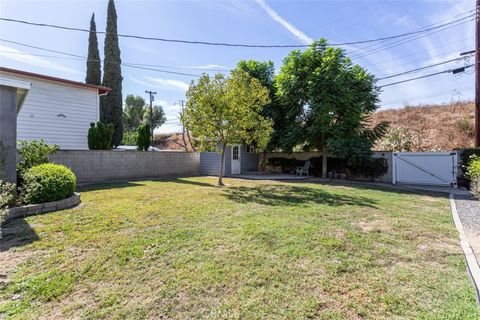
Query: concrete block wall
[102, 165]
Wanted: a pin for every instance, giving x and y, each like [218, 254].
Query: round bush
[48, 182]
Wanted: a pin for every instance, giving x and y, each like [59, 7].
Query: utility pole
[183, 130]
[477, 74]
[151, 93]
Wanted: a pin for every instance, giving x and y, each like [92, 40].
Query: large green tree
[94, 72]
[111, 104]
[158, 116]
[223, 112]
[133, 112]
[137, 112]
[333, 100]
[280, 115]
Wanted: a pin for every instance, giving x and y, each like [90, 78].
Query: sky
[253, 22]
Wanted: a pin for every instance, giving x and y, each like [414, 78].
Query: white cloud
[17, 55]
[161, 83]
[284, 23]
[209, 66]
[137, 46]
[169, 83]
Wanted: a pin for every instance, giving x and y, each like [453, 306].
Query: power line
[440, 56]
[136, 66]
[139, 66]
[160, 70]
[431, 26]
[403, 41]
[82, 57]
[454, 71]
[431, 95]
[420, 69]
[227, 44]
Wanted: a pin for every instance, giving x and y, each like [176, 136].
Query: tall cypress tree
[111, 104]
[94, 72]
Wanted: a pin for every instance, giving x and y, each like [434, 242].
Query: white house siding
[39, 117]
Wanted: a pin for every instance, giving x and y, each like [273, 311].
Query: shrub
[100, 136]
[373, 168]
[465, 156]
[333, 164]
[34, 153]
[397, 139]
[7, 195]
[473, 174]
[129, 138]
[465, 126]
[48, 182]
[288, 165]
[143, 137]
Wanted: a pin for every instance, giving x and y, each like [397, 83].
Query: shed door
[236, 160]
[429, 168]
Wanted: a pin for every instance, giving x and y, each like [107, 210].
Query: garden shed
[239, 159]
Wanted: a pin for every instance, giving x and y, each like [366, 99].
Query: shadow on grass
[108, 185]
[285, 195]
[195, 183]
[16, 233]
[383, 188]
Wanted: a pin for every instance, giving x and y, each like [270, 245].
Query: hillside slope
[432, 127]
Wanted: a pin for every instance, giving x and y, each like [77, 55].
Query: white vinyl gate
[427, 168]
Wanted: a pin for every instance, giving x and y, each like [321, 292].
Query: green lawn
[185, 249]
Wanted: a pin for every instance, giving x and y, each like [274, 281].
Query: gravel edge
[472, 263]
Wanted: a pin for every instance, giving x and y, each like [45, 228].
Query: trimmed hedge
[143, 137]
[48, 182]
[100, 136]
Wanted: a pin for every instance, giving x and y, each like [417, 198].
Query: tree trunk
[220, 175]
[264, 160]
[190, 141]
[183, 138]
[324, 158]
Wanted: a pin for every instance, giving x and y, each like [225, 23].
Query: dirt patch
[9, 260]
[373, 226]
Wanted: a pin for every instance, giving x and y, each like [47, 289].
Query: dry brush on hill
[428, 127]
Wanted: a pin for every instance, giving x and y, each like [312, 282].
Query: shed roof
[100, 89]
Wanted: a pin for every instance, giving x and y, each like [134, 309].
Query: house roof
[100, 89]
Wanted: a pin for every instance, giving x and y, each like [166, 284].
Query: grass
[185, 249]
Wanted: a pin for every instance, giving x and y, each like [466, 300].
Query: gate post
[394, 167]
